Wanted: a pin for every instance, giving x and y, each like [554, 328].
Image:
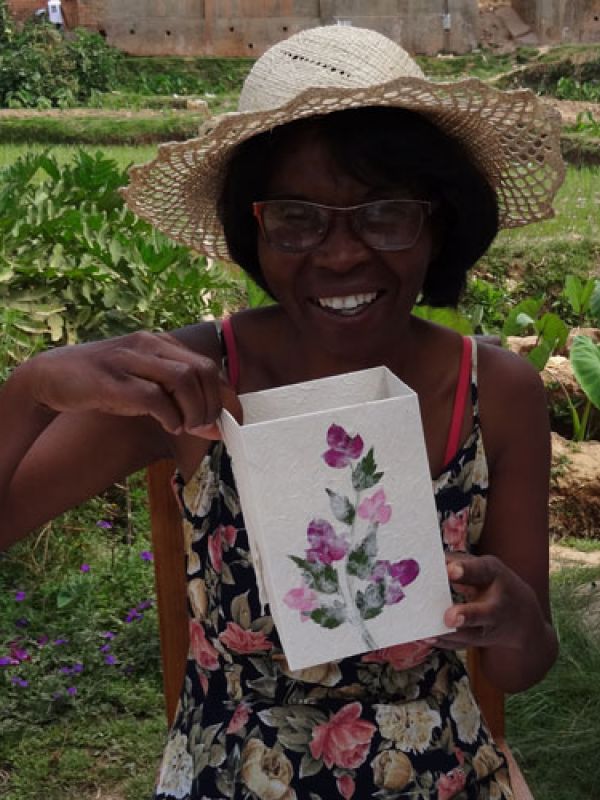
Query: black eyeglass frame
[259, 205]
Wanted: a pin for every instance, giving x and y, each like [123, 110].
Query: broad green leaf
[573, 292]
[362, 558]
[321, 577]
[329, 616]
[364, 474]
[595, 302]
[515, 322]
[585, 361]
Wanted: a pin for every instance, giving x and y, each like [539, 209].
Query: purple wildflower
[105, 648]
[84, 568]
[147, 555]
[325, 544]
[19, 654]
[110, 659]
[77, 668]
[342, 447]
[145, 605]
[72, 690]
[22, 622]
[132, 615]
[7, 661]
[42, 640]
[60, 641]
[20, 596]
[108, 635]
[104, 523]
[16, 681]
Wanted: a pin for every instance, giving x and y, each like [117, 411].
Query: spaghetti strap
[460, 399]
[233, 362]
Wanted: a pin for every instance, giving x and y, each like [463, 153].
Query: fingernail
[459, 621]
[430, 640]
[456, 571]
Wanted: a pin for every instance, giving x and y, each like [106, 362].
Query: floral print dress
[394, 723]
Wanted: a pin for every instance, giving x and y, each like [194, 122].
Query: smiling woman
[348, 186]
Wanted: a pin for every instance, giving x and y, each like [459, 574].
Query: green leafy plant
[549, 328]
[76, 264]
[583, 297]
[585, 362]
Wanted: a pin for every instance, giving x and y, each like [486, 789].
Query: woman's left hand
[496, 608]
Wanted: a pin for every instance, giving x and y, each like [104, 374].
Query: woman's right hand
[134, 375]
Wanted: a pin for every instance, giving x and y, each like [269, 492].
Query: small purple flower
[105, 648]
[42, 640]
[405, 571]
[104, 523]
[108, 635]
[77, 668]
[393, 593]
[7, 661]
[342, 447]
[20, 596]
[72, 691]
[147, 555]
[144, 605]
[60, 641]
[19, 654]
[65, 670]
[16, 681]
[132, 615]
[22, 622]
[84, 568]
[110, 659]
[380, 571]
[325, 544]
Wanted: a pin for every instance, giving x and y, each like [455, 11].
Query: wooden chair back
[171, 591]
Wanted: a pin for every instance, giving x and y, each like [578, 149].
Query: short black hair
[382, 147]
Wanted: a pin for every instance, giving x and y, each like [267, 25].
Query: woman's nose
[342, 248]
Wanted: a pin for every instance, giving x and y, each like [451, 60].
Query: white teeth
[349, 302]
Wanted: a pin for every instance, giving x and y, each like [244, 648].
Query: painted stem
[347, 586]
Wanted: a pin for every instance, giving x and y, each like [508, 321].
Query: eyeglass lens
[297, 226]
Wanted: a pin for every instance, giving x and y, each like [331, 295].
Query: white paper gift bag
[338, 503]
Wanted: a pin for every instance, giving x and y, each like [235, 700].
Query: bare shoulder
[202, 338]
[512, 400]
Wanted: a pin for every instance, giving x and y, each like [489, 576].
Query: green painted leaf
[585, 361]
[329, 616]
[364, 474]
[341, 507]
[320, 577]
[370, 603]
[362, 558]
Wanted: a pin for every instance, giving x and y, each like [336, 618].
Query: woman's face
[376, 289]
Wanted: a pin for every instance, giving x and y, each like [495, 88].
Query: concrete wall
[249, 27]
[561, 20]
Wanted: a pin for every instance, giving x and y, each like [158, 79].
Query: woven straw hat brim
[512, 136]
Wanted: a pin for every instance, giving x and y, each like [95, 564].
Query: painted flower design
[375, 509]
[325, 544]
[266, 772]
[343, 580]
[302, 599]
[240, 717]
[450, 784]
[223, 537]
[344, 740]
[343, 448]
[242, 641]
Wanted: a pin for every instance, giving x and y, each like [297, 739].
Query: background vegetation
[80, 690]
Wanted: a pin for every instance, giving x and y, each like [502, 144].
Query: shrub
[76, 264]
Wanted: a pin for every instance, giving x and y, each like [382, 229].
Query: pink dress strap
[233, 361]
[460, 400]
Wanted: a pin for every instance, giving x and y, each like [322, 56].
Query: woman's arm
[76, 419]
[506, 587]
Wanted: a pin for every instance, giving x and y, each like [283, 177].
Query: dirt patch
[562, 557]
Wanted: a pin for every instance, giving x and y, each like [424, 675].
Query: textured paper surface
[338, 502]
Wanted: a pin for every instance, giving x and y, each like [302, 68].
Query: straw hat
[513, 137]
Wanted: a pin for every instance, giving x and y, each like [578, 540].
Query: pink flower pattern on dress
[224, 535]
[375, 508]
[346, 786]
[450, 784]
[400, 656]
[242, 641]
[344, 740]
[240, 717]
[343, 448]
[455, 530]
[202, 650]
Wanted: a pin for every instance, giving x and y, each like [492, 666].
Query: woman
[349, 187]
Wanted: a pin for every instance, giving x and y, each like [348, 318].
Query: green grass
[64, 129]
[122, 154]
[554, 728]
[582, 545]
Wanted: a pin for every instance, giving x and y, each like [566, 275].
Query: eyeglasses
[297, 226]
